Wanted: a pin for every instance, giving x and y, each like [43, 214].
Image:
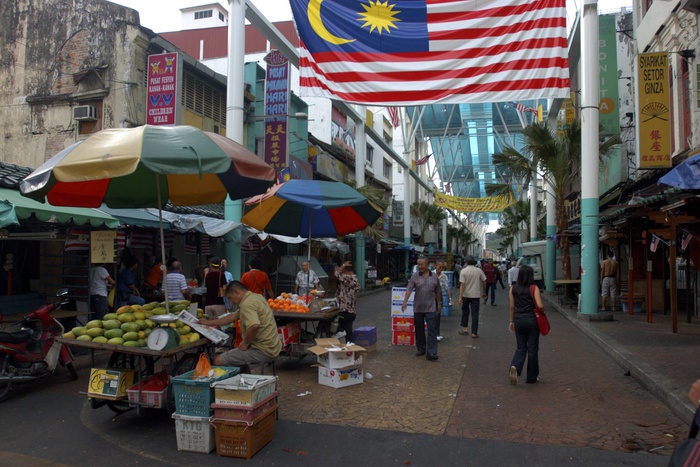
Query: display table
[318, 322]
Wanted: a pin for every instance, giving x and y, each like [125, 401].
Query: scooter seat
[15, 337]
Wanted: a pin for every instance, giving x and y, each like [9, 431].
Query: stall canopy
[24, 208]
[204, 224]
[135, 217]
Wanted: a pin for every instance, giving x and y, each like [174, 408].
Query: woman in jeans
[524, 324]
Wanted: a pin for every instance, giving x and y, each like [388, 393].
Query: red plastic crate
[244, 414]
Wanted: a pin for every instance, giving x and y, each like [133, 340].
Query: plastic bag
[110, 297]
[203, 367]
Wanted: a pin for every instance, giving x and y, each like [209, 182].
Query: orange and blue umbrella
[310, 208]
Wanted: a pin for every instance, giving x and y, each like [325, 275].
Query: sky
[164, 15]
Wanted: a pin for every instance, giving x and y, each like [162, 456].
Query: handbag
[542, 320]
[687, 452]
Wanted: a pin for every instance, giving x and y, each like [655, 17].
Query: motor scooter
[32, 352]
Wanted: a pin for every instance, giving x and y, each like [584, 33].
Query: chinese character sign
[102, 246]
[654, 124]
[276, 109]
[162, 92]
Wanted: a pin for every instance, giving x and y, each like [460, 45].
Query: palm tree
[557, 158]
[376, 197]
[427, 214]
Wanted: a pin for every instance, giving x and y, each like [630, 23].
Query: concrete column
[551, 250]
[233, 210]
[590, 95]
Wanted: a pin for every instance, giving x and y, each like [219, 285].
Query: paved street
[458, 410]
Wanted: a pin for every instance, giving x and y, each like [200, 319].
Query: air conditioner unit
[85, 113]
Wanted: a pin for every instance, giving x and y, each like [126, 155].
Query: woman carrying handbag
[524, 297]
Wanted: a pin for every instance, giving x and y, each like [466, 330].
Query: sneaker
[439, 338]
[513, 376]
[339, 334]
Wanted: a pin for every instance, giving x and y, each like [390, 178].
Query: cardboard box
[332, 354]
[290, 333]
[403, 338]
[110, 384]
[365, 335]
[340, 377]
[397, 296]
[371, 348]
[402, 323]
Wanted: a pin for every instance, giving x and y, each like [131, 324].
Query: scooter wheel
[71, 369]
[5, 392]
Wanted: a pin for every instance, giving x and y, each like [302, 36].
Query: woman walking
[524, 324]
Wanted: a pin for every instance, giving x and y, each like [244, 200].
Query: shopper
[608, 280]
[472, 287]
[446, 293]
[260, 343]
[426, 303]
[214, 281]
[524, 324]
[348, 289]
[490, 272]
[176, 282]
[127, 292]
[99, 279]
[257, 281]
[513, 273]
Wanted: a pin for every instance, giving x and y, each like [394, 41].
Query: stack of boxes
[244, 414]
[402, 324]
[341, 364]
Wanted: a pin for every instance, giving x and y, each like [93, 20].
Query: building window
[201, 98]
[387, 170]
[203, 14]
[221, 17]
[369, 157]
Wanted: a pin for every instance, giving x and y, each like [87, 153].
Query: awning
[138, 217]
[25, 207]
[188, 222]
[8, 216]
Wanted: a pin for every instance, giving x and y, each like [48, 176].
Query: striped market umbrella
[310, 208]
[148, 166]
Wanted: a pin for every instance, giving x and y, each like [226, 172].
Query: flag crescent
[316, 22]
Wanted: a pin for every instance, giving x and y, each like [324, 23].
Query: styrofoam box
[194, 434]
[244, 390]
[340, 377]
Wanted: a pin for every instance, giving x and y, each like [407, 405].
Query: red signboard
[162, 89]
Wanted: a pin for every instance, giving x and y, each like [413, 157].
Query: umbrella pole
[162, 245]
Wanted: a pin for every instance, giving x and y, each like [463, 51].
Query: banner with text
[162, 96]
[654, 122]
[491, 204]
[276, 109]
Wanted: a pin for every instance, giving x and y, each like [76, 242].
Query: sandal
[463, 332]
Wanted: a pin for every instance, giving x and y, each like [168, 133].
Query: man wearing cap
[214, 281]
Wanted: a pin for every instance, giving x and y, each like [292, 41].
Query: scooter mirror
[62, 292]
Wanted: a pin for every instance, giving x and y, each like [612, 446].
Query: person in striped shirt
[177, 284]
[427, 303]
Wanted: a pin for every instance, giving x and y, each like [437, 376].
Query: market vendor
[260, 343]
[127, 293]
[306, 280]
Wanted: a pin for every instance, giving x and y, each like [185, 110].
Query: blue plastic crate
[194, 397]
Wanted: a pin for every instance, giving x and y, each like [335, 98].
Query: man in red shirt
[490, 272]
[256, 280]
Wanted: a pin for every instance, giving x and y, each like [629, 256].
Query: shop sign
[163, 94]
[343, 132]
[654, 117]
[330, 167]
[276, 109]
[102, 246]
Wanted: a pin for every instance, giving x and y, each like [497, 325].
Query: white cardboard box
[340, 377]
[332, 354]
[397, 296]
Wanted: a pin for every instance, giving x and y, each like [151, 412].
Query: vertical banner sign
[162, 96]
[102, 246]
[654, 123]
[277, 104]
[609, 97]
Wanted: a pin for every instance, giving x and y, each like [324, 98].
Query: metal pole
[360, 156]
[590, 95]
[233, 210]
[551, 248]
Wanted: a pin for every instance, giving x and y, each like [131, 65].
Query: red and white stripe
[479, 51]
[394, 116]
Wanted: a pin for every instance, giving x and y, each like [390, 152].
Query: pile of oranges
[286, 304]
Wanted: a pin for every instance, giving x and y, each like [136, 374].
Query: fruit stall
[149, 345]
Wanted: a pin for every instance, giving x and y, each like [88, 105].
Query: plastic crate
[154, 399]
[244, 390]
[194, 434]
[234, 413]
[194, 397]
[241, 439]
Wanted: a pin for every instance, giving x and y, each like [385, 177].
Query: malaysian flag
[423, 160]
[685, 241]
[654, 243]
[521, 108]
[77, 239]
[416, 52]
[394, 116]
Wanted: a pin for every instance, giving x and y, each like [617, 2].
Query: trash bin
[446, 307]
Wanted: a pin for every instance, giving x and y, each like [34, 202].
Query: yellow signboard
[102, 246]
[492, 204]
[654, 123]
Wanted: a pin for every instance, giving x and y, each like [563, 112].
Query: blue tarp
[685, 175]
